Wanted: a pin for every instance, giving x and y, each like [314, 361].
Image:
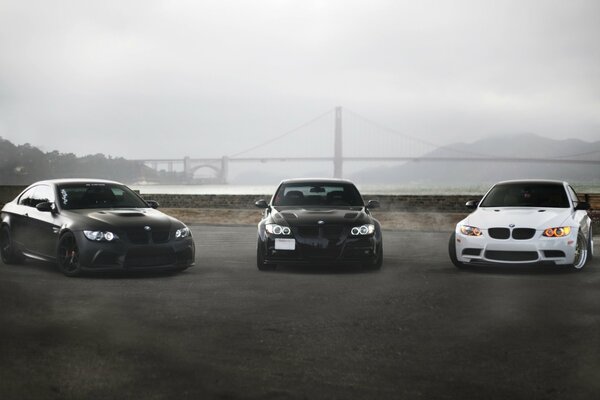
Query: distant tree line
[24, 164]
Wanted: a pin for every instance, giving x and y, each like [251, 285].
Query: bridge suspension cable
[288, 133]
[413, 138]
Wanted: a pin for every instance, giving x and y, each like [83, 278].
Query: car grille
[315, 253]
[308, 231]
[149, 257]
[523, 233]
[554, 253]
[160, 236]
[471, 252]
[499, 233]
[511, 255]
[325, 231]
[332, 231]
[139, 236]
[517, 233]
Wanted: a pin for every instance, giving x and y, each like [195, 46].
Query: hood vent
[350, 215]
[289, 215]
[129, 214]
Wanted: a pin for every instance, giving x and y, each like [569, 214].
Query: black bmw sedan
[92, 225]
[318, 221]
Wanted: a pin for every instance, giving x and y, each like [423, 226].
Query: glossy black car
[318, 221]
[92, 225]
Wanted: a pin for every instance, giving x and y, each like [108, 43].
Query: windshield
[317, 194]
[525, 194]
[98, 195]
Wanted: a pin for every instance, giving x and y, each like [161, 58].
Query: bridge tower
[338, 160]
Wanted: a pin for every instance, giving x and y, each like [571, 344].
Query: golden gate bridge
[394, 146]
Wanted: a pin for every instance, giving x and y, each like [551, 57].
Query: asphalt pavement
[417, 329]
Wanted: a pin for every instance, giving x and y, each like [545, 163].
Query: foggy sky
[208, 78]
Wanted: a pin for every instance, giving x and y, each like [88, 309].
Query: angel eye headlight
[470, 230]
[182, 233]
[362, 230]
[278, 229]
[99, 236]
[560, 231]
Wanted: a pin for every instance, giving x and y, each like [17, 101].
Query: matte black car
[92, 225]
[318, 221]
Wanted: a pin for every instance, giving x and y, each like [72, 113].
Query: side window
[574, 196]
[42, 194]
[25, 199]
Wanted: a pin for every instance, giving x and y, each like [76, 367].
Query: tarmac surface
[417, 329]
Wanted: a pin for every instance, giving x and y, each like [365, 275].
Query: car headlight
[362, 230]
[470, 230]
[100, 236]
[275, 229]
[557, 232]
[183, 233]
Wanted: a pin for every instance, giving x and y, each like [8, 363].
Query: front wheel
[260, 259]
[8, 252]
[376, 265]
[452, 252]
[581, 252]
[68, 255]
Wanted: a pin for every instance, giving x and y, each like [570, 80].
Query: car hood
[293, 216]
[538, 218]
[121, 219]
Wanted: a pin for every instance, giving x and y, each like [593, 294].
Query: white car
[523, 222]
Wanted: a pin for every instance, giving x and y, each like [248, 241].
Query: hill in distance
[516, 146]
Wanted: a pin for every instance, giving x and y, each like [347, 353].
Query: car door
[19, 218]
[580, 216]
[43, 226]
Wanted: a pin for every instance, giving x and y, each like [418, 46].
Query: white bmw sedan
[524, 222]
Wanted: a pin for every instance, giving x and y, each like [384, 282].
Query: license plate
[285, 244]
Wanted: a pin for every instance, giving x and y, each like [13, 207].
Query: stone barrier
[420, 203]
[454, 203]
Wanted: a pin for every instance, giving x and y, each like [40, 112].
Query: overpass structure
[220, 166]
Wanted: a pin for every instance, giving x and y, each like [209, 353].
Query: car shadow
[50, 268]
[517, 270]
[322, 269]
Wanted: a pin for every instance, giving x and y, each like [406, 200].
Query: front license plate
[285, 244]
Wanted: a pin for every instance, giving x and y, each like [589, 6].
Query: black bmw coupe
[92, 225]
[318, 221]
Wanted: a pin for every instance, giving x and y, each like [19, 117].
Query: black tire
[581, 253]
[8, 252]
[376, 265]
[67, 255]
[452, 252]
[260, 259]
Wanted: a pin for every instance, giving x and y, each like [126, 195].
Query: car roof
[319, 180]
[533, 181]
[74, 180]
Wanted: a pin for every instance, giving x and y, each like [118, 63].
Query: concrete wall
[442, 203]
[9, 192]
[388, 202]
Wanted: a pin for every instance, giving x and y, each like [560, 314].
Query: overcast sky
[207, 78]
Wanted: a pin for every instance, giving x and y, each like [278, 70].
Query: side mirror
[471, 204]
[583, 205]
[46, 206]
[372, 204]
[152, 203]
[261, 204]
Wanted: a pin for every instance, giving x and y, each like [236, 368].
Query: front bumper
[537, 250]
[321, 250]
[124, 256]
